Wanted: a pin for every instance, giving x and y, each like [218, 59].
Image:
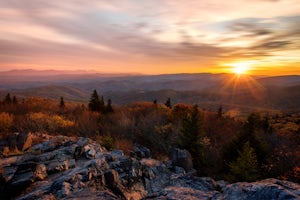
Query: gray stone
[57, 166]
[22, 179]
[82, 141]
[39, 190]
[108, 157]
[89, 194]
[89, 151]
[182, 158]
[100, 164]
[43, 147]
[175, 192]
[52, 173]
[117, 154]
[140, 151]
[71, 163]
[266, 189]
[24, 141]
[179, 170]
[64, 190]
[9, 172]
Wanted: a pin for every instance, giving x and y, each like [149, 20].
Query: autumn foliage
[235, 149]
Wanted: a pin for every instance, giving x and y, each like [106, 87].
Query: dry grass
[125, 145]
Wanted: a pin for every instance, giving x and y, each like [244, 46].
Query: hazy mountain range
[207, 90]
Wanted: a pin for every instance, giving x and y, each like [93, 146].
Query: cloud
[112, 32]
[273, 45]
[251, 28]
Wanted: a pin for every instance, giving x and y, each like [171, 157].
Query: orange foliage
[6, 121]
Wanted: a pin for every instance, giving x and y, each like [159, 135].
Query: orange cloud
[150, 37]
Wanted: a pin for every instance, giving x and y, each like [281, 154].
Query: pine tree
[266, 126]
[245, 168]
[7, 99]
[62, 102]
[155, 102]
[14, 100]
[220, 111]
[168, 103]
[249, 134]
[102, 107]
[191, 134]
[94, 104]
[109, 108]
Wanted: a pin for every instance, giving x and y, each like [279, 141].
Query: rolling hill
[207, 90]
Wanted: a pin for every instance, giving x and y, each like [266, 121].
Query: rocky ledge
[63, 167]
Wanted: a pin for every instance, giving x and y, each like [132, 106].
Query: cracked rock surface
[63, 167]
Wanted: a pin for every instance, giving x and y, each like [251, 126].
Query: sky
[151, 36]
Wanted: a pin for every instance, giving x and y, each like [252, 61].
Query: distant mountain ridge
[208, 90]
[34, 72]
[20, 79]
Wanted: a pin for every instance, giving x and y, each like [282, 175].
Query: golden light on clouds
[152, 37]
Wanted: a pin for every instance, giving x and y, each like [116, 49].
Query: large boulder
[182, 158]
[140, 152]
[24, 141]
[175, 192]
[12, 141]
[17, 141]
[265, 189]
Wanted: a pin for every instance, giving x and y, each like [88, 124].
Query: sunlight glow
[241, 67]
[239, 85]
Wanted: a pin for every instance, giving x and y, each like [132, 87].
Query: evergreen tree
[168, 103]
[94, 104]
[249, 133]
[7, 99]
[102, 107]
[266, 126]
[62, 102]
[220, 111]
[245, 168]
[14, 100]
[191, 133]
[109, 108]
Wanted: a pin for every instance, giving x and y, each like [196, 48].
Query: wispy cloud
[146, 36]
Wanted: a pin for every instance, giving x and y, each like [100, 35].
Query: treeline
[222, 147]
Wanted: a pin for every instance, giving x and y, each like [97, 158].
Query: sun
[240, 67]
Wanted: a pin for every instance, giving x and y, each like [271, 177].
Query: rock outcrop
[182, 158]
[78, 168]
